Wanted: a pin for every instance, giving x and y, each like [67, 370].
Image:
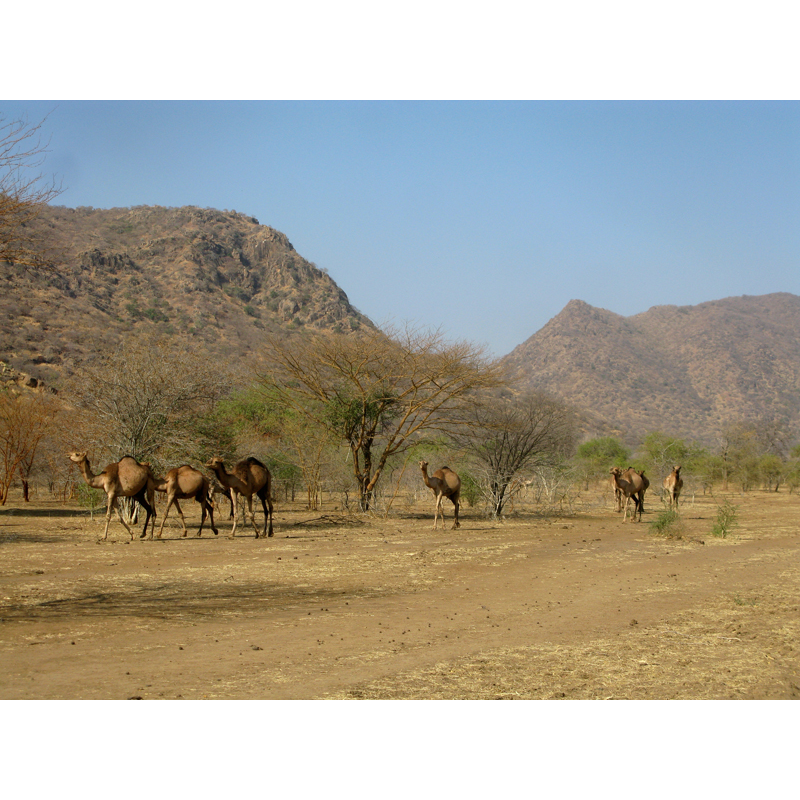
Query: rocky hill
[216, 281]
[685, 370]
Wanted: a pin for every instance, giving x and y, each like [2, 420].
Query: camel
[630, 490]
[444, 483]
[185, 483]
[123, 478]
[617, 494]
[637, 479]
[248, 477]
[673, 484]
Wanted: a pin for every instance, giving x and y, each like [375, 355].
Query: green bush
[90, 499]
[726, 519]
[470, 490]
[667, 523]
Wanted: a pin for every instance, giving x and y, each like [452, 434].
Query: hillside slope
[216, 281]
[687, 370]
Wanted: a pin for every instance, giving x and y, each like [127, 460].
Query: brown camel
[673, 484]
[185, 483]
[617, 494]
[124, 478]
[444, 483]
[630, 490]
[637, 479]
[248, 477]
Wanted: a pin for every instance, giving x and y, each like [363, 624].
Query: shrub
[91, 499]
[726, 519]
[667, 523]
[470, 490]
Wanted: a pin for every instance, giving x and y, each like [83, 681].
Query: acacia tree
[23, 194]
[509, 434]
[379, 392]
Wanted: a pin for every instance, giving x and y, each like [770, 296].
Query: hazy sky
[483, 218]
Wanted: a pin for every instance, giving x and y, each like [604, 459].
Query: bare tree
[145, 400]
[24, 420]
[23, 193]
[377, 392]
[509, 434]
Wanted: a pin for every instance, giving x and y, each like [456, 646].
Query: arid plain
[574, 606]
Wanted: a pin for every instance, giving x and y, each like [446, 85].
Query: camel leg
[109, 509]
[253, 514]
[235, 509]
[202, 514]
[267, 515]
[170, 500]
[151, 499]
[150, 512]
[456, 524]
[111, 506]
[637, 506]
[183, 520]
[207, 510]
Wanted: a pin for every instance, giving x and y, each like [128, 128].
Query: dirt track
[580, 607]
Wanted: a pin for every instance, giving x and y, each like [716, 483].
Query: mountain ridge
[214, 279]
[685, 369]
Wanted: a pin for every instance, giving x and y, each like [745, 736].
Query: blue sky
[483, 218]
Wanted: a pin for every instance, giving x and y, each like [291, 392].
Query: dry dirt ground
[578, 606]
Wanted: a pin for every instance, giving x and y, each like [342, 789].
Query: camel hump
[254, 462]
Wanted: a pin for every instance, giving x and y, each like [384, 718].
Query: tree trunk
[365, 494]
[498, 492]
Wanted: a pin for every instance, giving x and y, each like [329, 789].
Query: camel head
[615, 471]
[76, 458]
[423, 465]
[216, 465]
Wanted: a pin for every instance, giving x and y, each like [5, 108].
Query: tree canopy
[380, 392]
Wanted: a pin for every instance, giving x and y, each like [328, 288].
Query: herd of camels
[129, 478]
[632, 485]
